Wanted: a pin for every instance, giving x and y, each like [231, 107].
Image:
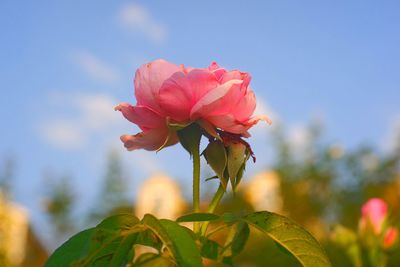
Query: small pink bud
[374, 213]
[390, 237]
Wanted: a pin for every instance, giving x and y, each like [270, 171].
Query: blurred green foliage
[322, 184]
[331, 183]
[58, 204]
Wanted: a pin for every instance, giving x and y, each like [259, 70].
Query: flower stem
[216, 199]
[196, 184]
[213, 205]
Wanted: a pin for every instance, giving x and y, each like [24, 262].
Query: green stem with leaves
[196, 183]
[216, 199]
[377, 257]
[189, 137]
[213, 205]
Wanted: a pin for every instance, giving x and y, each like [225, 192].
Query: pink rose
[374, 213]
[166, 93]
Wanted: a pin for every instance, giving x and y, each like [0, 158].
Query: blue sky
[65, 64]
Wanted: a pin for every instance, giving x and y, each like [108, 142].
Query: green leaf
[215, 155]
[131, 256]
[177, 240]
[236, 159]
[240, 173]
[209, 248]
[122, 252]
[108, 244]
[240, 238]
[149, 239]
[198, 217]
[152, 260]
[114, 236]
[291, 236]
[72, 250]
[101, 255]
[229, 217]
[118, 223]
[228, 261]
[189, 137]
[235, 240]
[111, 229]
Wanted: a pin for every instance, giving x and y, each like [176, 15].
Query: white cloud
[93, 114]
[137, 18]
[62, 133]
[96, 68]
[88, 125]
[97, 111]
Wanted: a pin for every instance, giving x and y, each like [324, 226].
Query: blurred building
[161, 196]
[18, 245]
[263, 192]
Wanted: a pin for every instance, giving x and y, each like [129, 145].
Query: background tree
[59, 203]
[113, 195]
[7, 173]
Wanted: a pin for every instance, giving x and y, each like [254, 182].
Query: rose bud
[374, 213]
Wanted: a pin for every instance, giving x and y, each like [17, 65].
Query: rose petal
[149, 140]
[229, 123]
[217, 70]
[175, 97]
[148, 81]
[216, 99]
[179, 93]
[201, 82]
[144, 117]
[236, 75]
[209, 128]
[228, 104]
[213, 66]
[245, 107]
[254, 120]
